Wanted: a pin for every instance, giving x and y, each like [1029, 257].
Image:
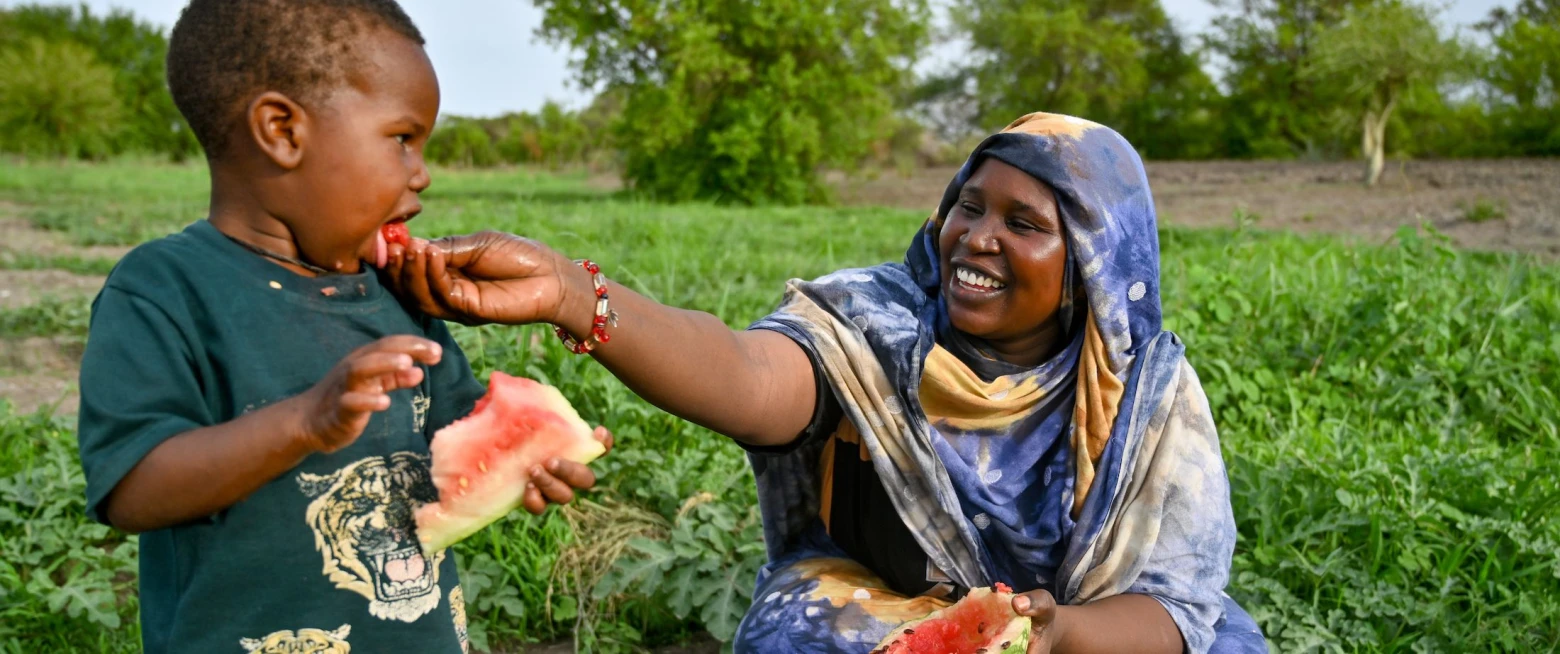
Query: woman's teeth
[978, 280]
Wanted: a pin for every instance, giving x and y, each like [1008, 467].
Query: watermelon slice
[481, 462]
[982, 623]
[395, 232]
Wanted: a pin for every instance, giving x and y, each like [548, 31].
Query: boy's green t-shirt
[195, 330]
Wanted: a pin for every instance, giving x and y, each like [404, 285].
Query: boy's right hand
[336, 410]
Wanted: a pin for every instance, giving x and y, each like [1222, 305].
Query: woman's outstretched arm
[755, 386]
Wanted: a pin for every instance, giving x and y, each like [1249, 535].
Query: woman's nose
[982, 237]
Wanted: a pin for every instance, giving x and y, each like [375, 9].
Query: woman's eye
[403, 139]
[969, 208]
[1020, 226]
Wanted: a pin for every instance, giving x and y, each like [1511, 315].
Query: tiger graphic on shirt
[363, 528]
[306, 641]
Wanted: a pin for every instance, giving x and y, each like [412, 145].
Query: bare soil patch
[17, 235]
[23, 287]
[38, 372]
[1497, 204]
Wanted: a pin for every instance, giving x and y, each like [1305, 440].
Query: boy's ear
[279, 127]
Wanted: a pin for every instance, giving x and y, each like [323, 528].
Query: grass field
[1389, 418]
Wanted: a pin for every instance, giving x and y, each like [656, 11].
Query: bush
[742, 102]
[59, 101]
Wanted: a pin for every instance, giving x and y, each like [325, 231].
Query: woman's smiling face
[1004, 254]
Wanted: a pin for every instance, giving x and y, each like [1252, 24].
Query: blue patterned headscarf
[1143, 490]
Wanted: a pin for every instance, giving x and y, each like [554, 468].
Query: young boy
[253, 400]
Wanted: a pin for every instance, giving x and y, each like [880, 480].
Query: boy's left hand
[556, 480]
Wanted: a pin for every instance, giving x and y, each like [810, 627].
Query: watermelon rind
[498, 488]
[1012, 638]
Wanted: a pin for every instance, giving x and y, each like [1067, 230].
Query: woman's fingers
[1040, 607]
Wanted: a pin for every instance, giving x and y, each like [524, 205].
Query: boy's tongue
[381, 249]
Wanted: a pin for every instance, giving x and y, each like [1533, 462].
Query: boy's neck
[238, 211]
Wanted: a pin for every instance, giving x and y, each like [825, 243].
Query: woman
[1004, 406]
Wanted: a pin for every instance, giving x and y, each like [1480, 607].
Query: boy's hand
[485, 277]
[336, 410]
[555, 482]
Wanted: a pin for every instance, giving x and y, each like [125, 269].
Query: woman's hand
[486, 277]
[1041, 609]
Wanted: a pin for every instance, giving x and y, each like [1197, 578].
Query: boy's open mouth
[382, 244]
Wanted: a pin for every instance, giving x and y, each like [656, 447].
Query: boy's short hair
[221, 53]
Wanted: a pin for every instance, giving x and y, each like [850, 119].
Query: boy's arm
[754, 386]
[203, 471]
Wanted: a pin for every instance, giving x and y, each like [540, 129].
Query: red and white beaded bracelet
[604, 317]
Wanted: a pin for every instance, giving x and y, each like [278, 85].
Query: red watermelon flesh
[982, 623]
[395, 232]
[481, 463]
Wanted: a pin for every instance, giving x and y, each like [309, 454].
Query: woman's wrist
[577, 307]
[1056, 635]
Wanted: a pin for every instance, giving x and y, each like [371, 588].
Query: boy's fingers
[576, 475]
[532, 500]
[604, 437]
[363, 402]
[554, 490]
[407, 378]
[418, 348]
[371, 371]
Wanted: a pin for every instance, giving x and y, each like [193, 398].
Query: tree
[736, 100]
[1524, 73]
[58, 100]
[1382, 50]
[133, 50]
[1118, 62]
[1272, 109]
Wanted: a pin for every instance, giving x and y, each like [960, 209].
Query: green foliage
[554, 137]
[66, 584]
[1121, 63]
[461, 142]
[1388, 416]
[132, 50]
[59, 101]
[1271, 108]
[741, 101]
[1483, 210]
[1524, 72]
[1380, 51]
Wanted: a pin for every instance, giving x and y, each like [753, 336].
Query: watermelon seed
[482, 465]
[464, 483]
[1005, 644]
[909, 632]
[981, 628]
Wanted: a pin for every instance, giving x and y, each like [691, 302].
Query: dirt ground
[1504, 204]
[37, 372]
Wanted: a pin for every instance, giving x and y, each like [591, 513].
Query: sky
[489, 61]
